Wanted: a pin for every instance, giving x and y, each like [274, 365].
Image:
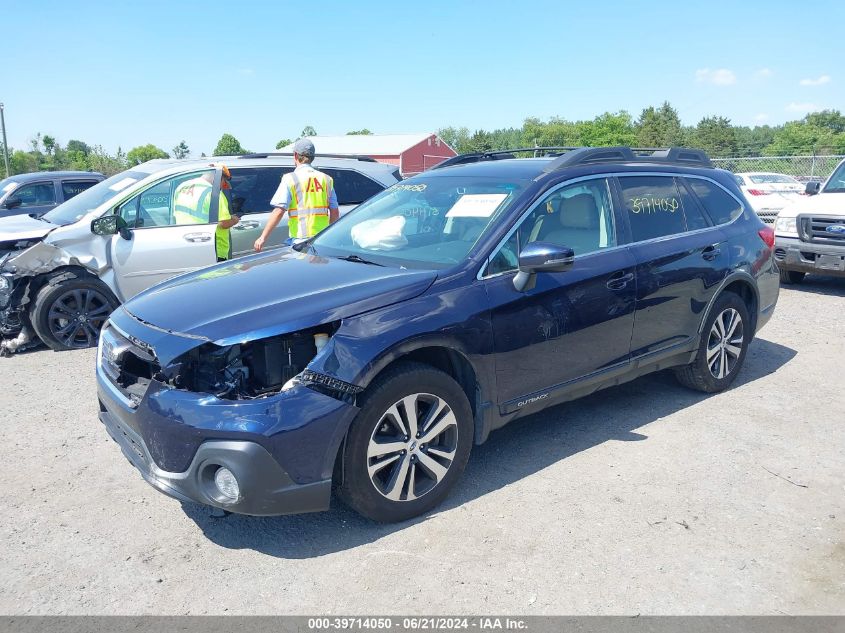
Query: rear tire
[791, 276]
[408, 445]
[70, 314]
[721, 352]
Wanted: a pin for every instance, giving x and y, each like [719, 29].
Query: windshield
[767, 178]
[836, 184]
[423, 222]
[72, 210]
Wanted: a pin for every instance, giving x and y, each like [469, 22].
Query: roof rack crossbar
[319, 155]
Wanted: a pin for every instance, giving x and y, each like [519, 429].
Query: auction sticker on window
[476, 205]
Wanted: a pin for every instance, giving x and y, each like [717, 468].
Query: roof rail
[587, 155]
[318, 155]
[571, 156]
[501, 154]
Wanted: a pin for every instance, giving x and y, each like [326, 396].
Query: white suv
[810, 234]
[59, 280]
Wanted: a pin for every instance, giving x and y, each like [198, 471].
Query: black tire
[791, 276]
[69, 314]
[375, 425]
[714, 371]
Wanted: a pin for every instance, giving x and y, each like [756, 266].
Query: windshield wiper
[356, 258]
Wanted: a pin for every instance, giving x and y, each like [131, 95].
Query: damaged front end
[21, 262]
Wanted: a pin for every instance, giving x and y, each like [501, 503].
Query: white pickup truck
[810, 234]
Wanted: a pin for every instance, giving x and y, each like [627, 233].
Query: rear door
[163, 244]
[681, 259]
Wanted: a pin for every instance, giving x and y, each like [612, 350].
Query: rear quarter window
[721, 206]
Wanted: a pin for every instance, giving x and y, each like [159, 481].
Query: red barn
[412, 153]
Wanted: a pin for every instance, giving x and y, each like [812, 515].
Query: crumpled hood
[23, 227]
[821, 203]
[274, 293]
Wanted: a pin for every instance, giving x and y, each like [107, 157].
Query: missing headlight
[248, 370]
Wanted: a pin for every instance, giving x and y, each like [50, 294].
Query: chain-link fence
[804, 168]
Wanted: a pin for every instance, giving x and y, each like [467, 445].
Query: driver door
[164, 243]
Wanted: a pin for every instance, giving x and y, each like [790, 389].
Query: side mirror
[111, 225]
[539, 257]
[812, 188]
[12, 203]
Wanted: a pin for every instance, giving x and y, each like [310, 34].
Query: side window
[721, 206]
[181, 200]
[579, 216]
[352, 187]
[692, 210]
[253, 188]
[36, 194]
[71, 188]
[653, 206]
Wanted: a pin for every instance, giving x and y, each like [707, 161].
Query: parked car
[376, 355]
[769, 193]
[62, 274]
[37, 193]
[810, 234]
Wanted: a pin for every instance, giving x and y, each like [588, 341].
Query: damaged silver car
[62, 274]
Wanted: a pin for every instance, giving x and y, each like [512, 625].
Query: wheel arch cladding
[746, 291]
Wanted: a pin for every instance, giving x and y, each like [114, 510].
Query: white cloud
[761, 117]
[764, 73]
[818, 81]
[718, 77]
[803, 107]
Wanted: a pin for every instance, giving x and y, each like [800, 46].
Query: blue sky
[125, 74]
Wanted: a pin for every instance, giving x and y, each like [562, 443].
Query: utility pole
[5, 146]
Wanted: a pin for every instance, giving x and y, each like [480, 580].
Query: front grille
[822, 230]
[767, 216]
[127, 366]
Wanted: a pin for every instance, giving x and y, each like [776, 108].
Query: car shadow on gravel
[820, 285]
[514, 452]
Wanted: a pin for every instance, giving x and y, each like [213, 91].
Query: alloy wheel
[412, 447]
[724, 345]
[77, 317]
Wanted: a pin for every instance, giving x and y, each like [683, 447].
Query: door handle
[711, 252]
[197, 237]
[619, 280]
[243, 226]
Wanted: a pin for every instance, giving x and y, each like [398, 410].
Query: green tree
[361, 132]
[181, 150]
[832, 120]
[101, 161]
[610, 128]
[308, 131]
[49, 143]
[21, 162]
[77, 146]
[455, 137]
[716, 136]
[143, 153]
[752, 141]
[228, 145]
[283, 143]
[659, 127]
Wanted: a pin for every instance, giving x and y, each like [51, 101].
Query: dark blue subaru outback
[374, 356]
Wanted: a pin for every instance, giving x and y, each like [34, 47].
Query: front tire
[71, 313]
[721, 352]
[791, 276]
[408, 445]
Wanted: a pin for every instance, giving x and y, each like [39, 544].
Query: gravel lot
[647, 498]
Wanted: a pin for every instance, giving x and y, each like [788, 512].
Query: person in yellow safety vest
[192, 203]
[306, 194]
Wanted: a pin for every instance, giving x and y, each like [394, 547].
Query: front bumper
[793, 254]
[281, 448]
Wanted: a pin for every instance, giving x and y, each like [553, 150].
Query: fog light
[227, 484]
